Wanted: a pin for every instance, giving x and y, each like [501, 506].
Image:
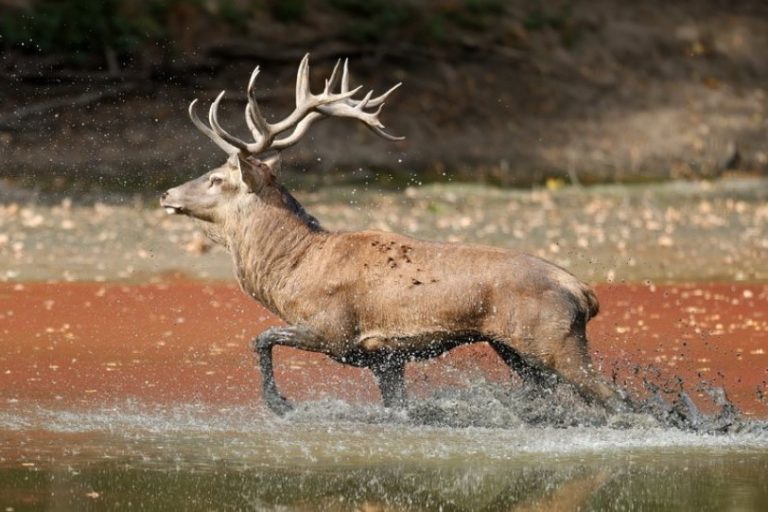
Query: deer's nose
[164, 196]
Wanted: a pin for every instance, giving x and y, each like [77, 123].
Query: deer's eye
[216, 180]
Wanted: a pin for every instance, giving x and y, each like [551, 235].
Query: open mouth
[173, 210]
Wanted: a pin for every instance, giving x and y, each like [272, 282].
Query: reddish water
[181, 341]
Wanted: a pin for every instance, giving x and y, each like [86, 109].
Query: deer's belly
[375, 349]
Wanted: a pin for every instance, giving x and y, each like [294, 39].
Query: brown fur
[378, 299]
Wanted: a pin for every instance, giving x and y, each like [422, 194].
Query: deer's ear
[271, 164]
[250, 172]
[255, 172]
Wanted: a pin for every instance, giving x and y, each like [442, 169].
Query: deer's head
[251, 168]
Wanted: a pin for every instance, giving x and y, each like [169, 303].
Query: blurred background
[625, 141]
[506, 92]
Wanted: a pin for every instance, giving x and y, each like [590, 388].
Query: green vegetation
[428, 22]
[85, 31]
[288, 11]
[541, 16]
[81, 26]
[374, 20]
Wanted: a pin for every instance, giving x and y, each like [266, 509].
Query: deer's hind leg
[550, 362]
[296, 337]
[533, 374]
[574, 365]
[549, 344]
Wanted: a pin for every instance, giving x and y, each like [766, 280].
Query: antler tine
[364, 102]
[306, 102]
[345, 77]
[334, 104]
[379, 100]
[302, 81]
[380, 131]
[298, 132]
[252, 80]
[377, 126]
[251, 124]
[200, 125]
[309, 109]
[312, 102]
[328, 96]
[253, 117]
[375, 102]
[330, 83]
[371, 119]
[213, 119]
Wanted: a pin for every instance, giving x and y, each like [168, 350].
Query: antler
[309, 109]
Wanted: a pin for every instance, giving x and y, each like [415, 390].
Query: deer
[376, 299]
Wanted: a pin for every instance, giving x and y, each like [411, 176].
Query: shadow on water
[518, 450]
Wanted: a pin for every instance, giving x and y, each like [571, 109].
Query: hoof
[279, 405]
[628, 420]
[619, 405]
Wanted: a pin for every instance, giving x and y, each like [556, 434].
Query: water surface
[332, 456]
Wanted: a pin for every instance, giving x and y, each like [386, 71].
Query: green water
[197, 458]
[675, 480]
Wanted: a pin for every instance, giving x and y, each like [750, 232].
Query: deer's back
[393, 284]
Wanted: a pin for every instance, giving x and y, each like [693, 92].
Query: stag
[376, 299]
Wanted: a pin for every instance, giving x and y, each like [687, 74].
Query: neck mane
[268, 240]
[298, 209]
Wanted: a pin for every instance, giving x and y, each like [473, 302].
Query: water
[195, 435]
[330, 455]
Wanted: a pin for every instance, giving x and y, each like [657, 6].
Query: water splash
[492, 405]
[481, 404]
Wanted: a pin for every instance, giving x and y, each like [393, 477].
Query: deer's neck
[267, 243]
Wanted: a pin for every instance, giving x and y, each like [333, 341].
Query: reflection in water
[664, 482]
[138, 458]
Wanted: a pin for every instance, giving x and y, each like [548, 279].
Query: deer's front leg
[296, 337]
[390, 375]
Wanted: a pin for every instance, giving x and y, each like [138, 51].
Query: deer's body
[377, 299]
[368, 291]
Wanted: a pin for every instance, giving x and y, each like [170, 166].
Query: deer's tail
[593, 305]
